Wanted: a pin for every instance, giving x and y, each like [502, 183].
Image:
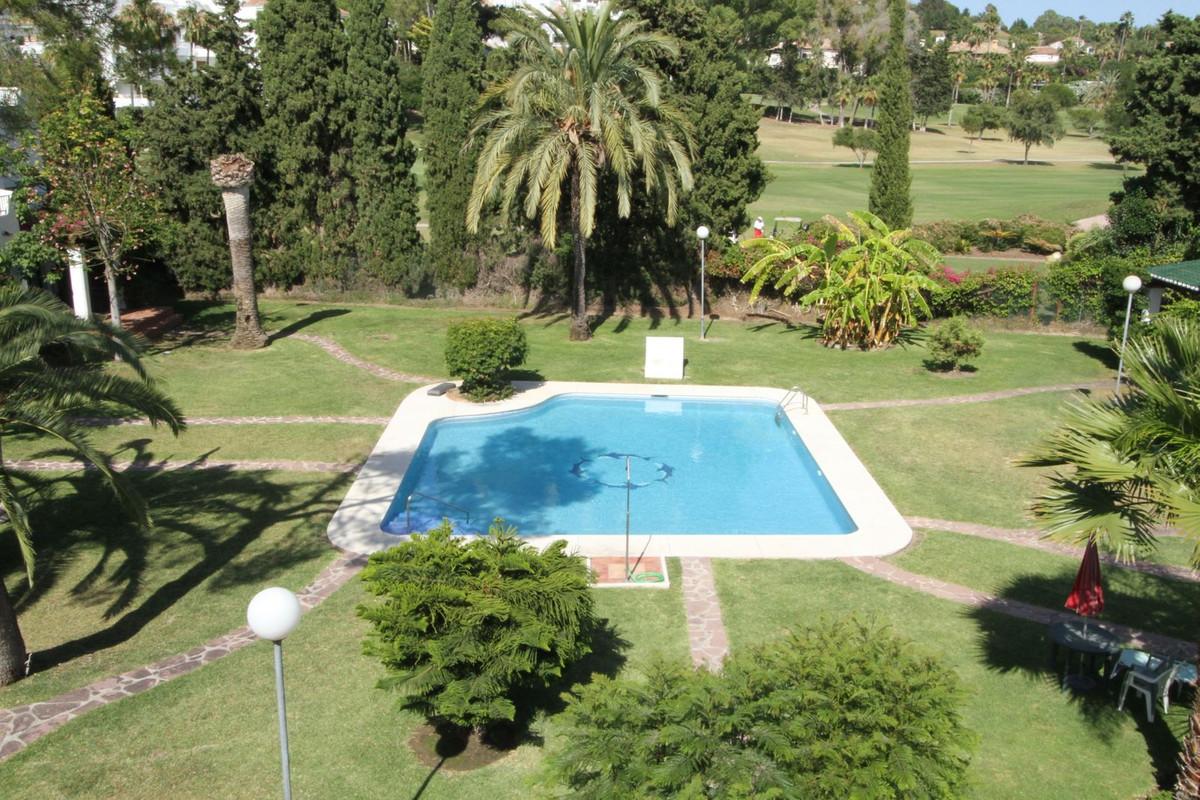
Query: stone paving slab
[22, 725]
[707, 639]
[1034, 539]
[962, 399]
[50, 465]
[340, 353]
[105, 422]
[1134, 637]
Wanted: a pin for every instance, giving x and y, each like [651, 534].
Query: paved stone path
[50, 465]
[877, 567]
[706, 632]
[961, 399]
[1033, 539]
[105, 422]
[337, 351]
[22, 725]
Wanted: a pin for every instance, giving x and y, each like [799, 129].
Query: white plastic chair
[1153, 679]
[1130, 658]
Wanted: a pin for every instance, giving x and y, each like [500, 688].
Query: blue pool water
[698, 466]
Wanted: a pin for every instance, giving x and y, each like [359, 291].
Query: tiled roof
[1185, 274]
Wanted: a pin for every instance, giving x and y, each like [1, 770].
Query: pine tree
[303, 53]
[386, 241]
[891, 182]
[199, 113]
[453, 69]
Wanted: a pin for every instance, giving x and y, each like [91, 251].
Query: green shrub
[481, 352]
[948, 235]
[953, 344]
[837, 710]
[465, 625]
[995, 293]
[1183, 307]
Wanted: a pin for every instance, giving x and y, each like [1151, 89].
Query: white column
[80, 295]
[1155, 294]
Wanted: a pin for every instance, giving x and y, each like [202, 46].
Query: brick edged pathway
[877, 567]
[105, 422]
[706, 632]
[962, 399]
[337, 351]
[23, 725]
[49, 465]
[1033, 540]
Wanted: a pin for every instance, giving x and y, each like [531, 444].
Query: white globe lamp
[273, 614]
[702, 235]
[1132, 285]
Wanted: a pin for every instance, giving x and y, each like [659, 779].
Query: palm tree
[232, 173]
[1015, 66]
[1131, 463]
[586, 97]
[53, 366]
[146, 34]
[198, 26]
[868, 281]
[1124, 26]
[958, 75]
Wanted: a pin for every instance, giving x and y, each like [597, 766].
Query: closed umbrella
[1087, 595]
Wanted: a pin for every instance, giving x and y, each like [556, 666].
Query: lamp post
[272, 615]
[1131, 285]
[702, 235]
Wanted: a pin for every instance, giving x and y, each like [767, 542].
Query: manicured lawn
[984, 262]
[411, 339]
[1035, 741]
[110, 598]
[1045, 579]
[213, 733]
[955, 462]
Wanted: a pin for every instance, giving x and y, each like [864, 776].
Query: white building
[1047, 55]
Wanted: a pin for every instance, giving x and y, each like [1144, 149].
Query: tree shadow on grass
[1011, 645]
[1101, 352]
[205, 521]
[300, 324]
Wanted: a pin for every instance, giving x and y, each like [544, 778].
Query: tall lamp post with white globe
[273, 614]
[1132, 284]
[702, 235]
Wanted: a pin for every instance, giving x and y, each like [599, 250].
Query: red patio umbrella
[1087, 595]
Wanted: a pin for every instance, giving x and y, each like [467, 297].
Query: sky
[1144, 11]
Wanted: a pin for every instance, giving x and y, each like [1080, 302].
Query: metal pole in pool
[628, 488]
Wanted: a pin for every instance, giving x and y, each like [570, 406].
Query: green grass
[109, 598]
[213, 734]
[1035, 741]
[983, 263]
[955, 462]
[1045, 579]
[411, 339]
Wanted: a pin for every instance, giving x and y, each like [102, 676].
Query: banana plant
[866, 280]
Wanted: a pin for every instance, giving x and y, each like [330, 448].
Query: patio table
[1090, 641]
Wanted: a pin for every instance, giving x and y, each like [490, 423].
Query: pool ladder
[794, 394]
[408, 508]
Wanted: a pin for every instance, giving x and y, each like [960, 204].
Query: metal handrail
[408, 508]
[792, 394]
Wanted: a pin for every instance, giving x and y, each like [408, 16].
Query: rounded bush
[481, 352]
[953, 344]
[838, 710]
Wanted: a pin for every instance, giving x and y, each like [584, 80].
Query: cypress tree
[198, 113]
[453, 70]
[891, 182]
[302, 49]
[386, 241]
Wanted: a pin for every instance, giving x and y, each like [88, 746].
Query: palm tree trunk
[580, 330]
[12, 644]
[248, 333]
[1187, 785]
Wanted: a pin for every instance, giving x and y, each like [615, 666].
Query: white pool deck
[881, 530]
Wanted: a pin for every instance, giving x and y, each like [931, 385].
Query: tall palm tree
[585, 98]
[53, 366]
[146, 34]
[232, 173]
[198, 26]
[1131, 463]
[1124, 26]
[958, 75]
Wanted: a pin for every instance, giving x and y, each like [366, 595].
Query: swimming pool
[579, 476]
[575, 464]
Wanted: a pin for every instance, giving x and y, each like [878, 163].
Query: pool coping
[881, 530]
